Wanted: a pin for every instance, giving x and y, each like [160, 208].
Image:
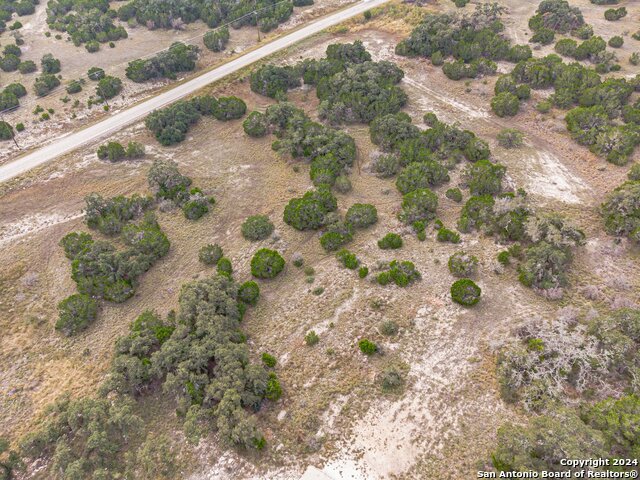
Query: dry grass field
[332, 416]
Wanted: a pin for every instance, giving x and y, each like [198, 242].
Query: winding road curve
[116, 122]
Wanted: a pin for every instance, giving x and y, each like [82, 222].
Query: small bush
[633, 175]
[465, 292]
[311, 338]
[510, 138]
[229, 108]
[363, 272]
[361, 215]
[616, 42]
[446, 235]
[257, 227]
[390, 241]
[461, 264]
[419, 205]
[400, 273]
[614, 14]
[210, 254]
[347, 259]
[49, 64]
[386, 166]
[255, 125]
[389, 328]
[96, 74]
[249, 292]
[391, 378]
[332, 241]
[343, 184]
[503, 257]
[196, 206]
[216, 40]
[76, 313]
[224, 266]
[454, 194]
[367, 347]
[505, 104]
[269, 360]
[6, 131]
[28, 66]
[544, 106]
[297, 260]
[266, 263]
[74, 86]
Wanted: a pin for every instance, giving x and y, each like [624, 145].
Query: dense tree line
[174, 13]
[178, 58]
[199, 357]
[86, 21]
[474, 41]
[171, 124]
[351, 87]
[114, 151]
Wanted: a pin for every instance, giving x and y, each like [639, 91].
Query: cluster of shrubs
[621, 210]
[86, 21]
[330, 151]
[6, 131]
[600, 430]
[423, 159]
[10, 95]
[177, 58]
[114, 151]
[474, 42]
[554, 16]
[99, 269]
[216, 40]
[168, 184]
[549, 240]
[10, 60]
[592, 49]
[614, 14]
[269, 13]
[171, 124]
[587, 357]
[108, 87]
[339, 232]
[350, 86]
[273, 81]
[110, 215]
[598, 103]
[402, 273]
[19, 7]
[165, 355]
